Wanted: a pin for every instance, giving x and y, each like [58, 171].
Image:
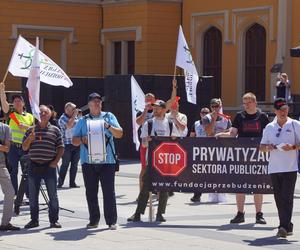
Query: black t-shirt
[250, 125]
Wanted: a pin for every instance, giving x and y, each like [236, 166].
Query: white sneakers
[113, 226]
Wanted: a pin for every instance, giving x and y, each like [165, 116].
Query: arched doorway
[212, 59]
[255, 61]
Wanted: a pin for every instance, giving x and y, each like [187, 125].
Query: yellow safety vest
[17, 133]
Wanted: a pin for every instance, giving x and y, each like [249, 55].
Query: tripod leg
[20, 194]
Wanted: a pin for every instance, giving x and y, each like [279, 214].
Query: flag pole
[174, 77]
[4, 78]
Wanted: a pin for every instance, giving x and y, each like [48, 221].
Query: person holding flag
[18, 121]
[142, 116]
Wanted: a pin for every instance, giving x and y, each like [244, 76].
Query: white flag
[137, 104]
[22, 59]
[33, 83]
[185, 61]
[191, 81]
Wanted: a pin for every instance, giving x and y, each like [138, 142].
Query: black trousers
[284, 188]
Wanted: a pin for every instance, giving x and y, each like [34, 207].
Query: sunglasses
[278, 133]
[215, 106]
[204, 113]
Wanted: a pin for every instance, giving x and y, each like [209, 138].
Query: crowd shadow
[225, 227]
[269, 241]
[75, 234]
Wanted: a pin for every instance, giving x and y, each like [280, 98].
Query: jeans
[71, 155]
[15, 155]
[105, 173]
[284, 188]
[34, 183]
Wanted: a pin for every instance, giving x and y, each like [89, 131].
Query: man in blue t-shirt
[93, 171]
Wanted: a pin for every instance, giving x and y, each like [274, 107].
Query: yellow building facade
[236, 41]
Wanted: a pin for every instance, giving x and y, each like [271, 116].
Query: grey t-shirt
[5, 135]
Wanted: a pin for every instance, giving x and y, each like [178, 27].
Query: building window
[124, 57]
[117, 57]
[212, 59]
[255, 61]
[131, 57]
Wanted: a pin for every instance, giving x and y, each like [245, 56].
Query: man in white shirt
[281, 139]
[159, 126]
[179, 119]
[198, 130]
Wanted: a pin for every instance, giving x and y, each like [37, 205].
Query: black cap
[160, 103]
[18, 96]
[280, 104]
[94, 96]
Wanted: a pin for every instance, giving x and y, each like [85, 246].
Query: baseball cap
[159, 103]
[94, 96]
[17, 96]
[280, 104]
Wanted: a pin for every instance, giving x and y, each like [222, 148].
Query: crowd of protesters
[71, 138]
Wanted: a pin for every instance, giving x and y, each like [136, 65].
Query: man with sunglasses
[198, 130]
[248, 123]
[281, 139]
[157, 126]
[216, 122]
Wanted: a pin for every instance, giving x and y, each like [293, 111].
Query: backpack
[150, 125]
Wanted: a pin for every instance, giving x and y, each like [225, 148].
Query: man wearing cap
[281, 139]
[146, 115]
[160, 126]
[71, 156]
[19, 121]
[95, 171]
[248, 123]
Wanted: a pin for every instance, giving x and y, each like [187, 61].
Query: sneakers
[55, 225]
[282, 233]
[32, 224]
[9, 227]
[260, 219]
[290, 230]
[113, 226]
[134, 218]
[196, 198]
[239, 218]
[91, 225]
[160, 218]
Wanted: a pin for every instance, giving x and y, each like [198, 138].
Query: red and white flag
[33, 83]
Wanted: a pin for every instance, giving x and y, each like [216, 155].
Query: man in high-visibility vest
[19, 121]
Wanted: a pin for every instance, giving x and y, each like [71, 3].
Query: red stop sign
[169, 159]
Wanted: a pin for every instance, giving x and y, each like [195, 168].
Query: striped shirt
[47, 140]
[67, 133]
